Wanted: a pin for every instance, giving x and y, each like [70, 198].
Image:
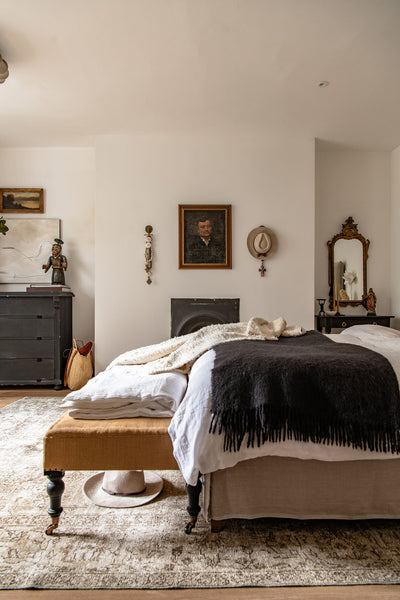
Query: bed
[288, 477]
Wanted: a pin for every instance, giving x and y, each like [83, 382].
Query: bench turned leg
[193, 492]
[55, 489]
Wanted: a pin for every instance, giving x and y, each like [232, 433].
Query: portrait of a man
[205, 240]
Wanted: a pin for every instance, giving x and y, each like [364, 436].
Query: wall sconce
[3, 70]
[260, 242]
[148, 253]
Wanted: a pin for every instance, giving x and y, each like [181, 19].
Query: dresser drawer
[350, 321]
[26, 327]
[31, 306]
[26, 349]
[329, 322]
[26, 369]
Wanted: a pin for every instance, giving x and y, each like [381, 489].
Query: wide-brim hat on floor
[123, 489]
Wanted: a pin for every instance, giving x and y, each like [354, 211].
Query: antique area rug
[146, 547]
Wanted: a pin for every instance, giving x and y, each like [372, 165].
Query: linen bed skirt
[282, 487]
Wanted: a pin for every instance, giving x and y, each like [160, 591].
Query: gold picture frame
[21, 200]
[205, 236]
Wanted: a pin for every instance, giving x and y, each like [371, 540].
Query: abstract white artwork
[25, 248]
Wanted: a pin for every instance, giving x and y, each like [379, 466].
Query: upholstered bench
[91, 445]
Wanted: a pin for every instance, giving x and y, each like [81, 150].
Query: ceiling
[82, 68]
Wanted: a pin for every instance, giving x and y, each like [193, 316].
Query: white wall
[395, 235]
[67, 176]
[141, 181]
[357, 184]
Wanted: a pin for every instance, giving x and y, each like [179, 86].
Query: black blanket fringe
[308, 389]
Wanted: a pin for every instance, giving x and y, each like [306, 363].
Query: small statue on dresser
[58, 262]
[369, 301]
[3, 226]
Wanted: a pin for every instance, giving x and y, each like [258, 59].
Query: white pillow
[371, 331]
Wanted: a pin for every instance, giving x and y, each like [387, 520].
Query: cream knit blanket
[180, 352]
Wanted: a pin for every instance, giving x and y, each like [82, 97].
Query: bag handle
[71, 355]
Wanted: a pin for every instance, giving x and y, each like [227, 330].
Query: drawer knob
[39, 316]
[344, 324]
[39, 360]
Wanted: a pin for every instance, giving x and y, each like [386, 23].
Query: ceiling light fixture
[3, 70]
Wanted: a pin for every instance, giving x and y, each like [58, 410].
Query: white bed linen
[195, 450]
[150, 381]
[181, 352]
[381, 339]
[125, 391]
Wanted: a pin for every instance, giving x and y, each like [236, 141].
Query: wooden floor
[374, 592]
[9, 395]
[367, 592]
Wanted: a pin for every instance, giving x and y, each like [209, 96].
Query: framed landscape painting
[205, 236]
[21, 200]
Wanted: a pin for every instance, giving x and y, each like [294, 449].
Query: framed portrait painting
[205, 236]
[21, 200]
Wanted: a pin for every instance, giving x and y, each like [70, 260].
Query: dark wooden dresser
[329, 322]
[35, 336]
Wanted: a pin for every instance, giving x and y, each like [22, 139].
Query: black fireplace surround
[190, 314]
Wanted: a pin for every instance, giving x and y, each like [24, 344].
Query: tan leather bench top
[112, 444]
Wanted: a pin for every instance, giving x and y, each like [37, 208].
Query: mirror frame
[349, 232]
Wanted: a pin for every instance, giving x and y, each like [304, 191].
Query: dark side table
[329, 322]
[35, 337]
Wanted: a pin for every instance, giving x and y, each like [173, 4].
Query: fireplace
[190, 314]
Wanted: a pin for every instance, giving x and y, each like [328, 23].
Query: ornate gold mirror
[348, 253]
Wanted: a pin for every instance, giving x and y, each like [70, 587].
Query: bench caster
[190, 525]
[53, 526]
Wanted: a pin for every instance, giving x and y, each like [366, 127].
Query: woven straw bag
[79, 368]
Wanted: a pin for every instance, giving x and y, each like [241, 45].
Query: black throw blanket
[307, 388]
